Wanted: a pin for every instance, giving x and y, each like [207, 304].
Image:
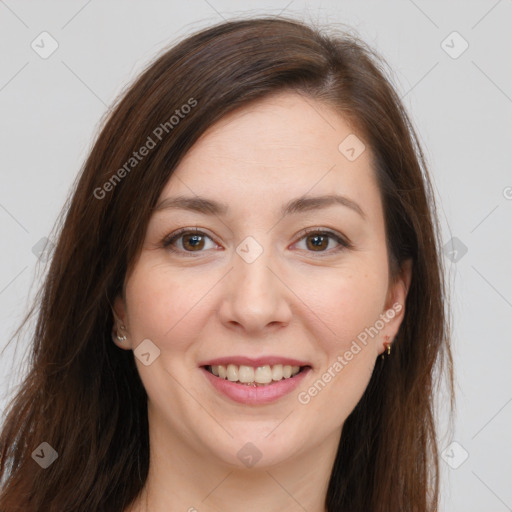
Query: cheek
[343, 303]
[161, 305]
[343, 307]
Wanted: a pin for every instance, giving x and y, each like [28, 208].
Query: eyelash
[343, 242]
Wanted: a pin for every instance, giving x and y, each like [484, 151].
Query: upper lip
[254, 361]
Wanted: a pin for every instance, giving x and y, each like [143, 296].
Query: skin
[291, 301]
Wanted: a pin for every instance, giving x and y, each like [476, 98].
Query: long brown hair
[83, 395]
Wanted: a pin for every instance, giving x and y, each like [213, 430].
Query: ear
[120, 324]
[394, 310]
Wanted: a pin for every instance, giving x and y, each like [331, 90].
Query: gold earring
[387, 346]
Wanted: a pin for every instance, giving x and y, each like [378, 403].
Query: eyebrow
[299, 205]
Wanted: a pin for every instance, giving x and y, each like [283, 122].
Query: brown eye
[188, 241]
[193, 242]
[323, 242]
[317, 242]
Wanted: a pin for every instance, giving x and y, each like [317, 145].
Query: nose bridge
[254, 297]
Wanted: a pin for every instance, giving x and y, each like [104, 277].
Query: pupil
[194, 241]
[318, 241]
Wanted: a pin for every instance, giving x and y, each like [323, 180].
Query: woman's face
[229, 282]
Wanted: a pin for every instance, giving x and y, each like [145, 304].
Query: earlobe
[395, 306]
[123, 337]
[120, 336]
[400, 286]
[119, 329]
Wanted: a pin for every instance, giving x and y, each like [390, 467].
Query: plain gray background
[460, 102]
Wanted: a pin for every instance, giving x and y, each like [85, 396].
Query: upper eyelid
[170, 239]
[338, 237]
[184, 231]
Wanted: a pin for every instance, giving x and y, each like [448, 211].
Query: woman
[245, 306]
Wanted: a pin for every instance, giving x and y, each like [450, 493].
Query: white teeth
[277, 372]
[232, 372]
[249, 375]
[263, 375]
[245, 374]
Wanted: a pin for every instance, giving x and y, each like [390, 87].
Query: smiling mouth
[255, 376]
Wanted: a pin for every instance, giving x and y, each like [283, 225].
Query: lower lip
[258, 395]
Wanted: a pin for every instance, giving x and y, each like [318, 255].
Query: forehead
[282, 146]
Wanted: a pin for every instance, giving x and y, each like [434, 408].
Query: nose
[255, 299]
